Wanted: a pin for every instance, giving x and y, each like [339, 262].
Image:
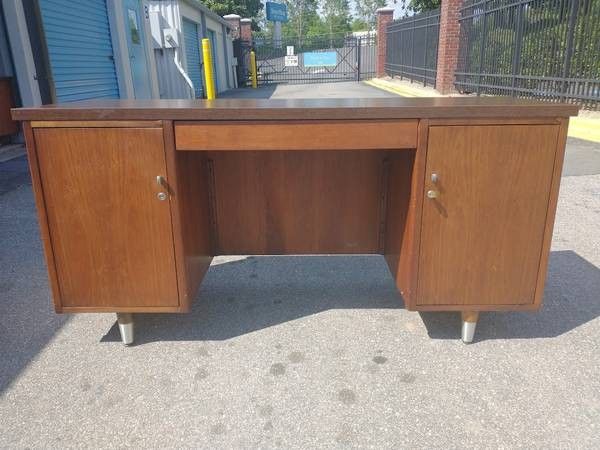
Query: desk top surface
[297, 109]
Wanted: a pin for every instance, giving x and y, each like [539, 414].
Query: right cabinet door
[487, 189]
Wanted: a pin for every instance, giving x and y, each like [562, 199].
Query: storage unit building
[79, 49]
[178, 26]
[65, 51]
[193, 55]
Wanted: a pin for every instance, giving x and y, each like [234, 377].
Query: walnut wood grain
[38, 193]
[294, 202]
[286, 109]
[96, 124]
[482, 245]
[111, 237]
[482, 238]
[297, 135]
[188, 181]
[403, 221]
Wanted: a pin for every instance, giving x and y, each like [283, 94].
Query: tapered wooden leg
[125, 321]
[469, 322]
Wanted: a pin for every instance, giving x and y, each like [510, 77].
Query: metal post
[226, 56]
[412, 51]
[253, 69]
[277, 34]
[516, 65]
[482, 50]
[209, 75]
[569, 49]
[359, 50]
[425, 56]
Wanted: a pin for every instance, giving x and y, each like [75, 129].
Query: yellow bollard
[253, 69]
[209, 75]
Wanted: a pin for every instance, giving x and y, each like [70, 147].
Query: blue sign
[320, 59]
[277, 12]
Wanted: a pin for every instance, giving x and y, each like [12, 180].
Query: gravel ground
[305, 352]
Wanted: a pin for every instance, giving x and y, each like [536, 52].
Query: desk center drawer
[297, 135]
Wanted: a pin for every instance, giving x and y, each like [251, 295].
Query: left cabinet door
[111, 236]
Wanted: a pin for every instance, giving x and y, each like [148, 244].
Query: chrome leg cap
[125, 321]
[468, 331]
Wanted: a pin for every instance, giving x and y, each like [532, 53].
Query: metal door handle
[433, 193]
[162, 184]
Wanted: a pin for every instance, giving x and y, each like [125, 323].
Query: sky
[398, 10]
[397, 5]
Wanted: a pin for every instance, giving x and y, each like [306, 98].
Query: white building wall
[220, 52]
[24, 66]
[232, 71]
[173, 81]
[118, 34]
[171, 64]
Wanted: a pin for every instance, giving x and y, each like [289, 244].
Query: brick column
[246, 30]
[384, 16]
[234, 21]
[448, 45]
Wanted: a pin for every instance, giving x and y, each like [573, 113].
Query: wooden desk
[136, 197]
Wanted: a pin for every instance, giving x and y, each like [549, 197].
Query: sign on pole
[291, 61]
[277, 12]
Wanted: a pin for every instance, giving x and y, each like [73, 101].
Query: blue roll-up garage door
[79, 49]
[192, 55]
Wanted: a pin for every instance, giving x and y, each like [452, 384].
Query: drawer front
[301, 135]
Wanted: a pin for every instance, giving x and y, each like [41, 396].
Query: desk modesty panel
[136, 197]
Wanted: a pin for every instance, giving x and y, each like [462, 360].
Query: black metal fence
[412, 47]
[546, 49]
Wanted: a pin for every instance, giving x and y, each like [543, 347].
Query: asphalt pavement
[304, 352]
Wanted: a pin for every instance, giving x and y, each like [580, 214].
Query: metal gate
[315, 59]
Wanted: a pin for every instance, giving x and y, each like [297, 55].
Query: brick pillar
[234, 21]
[384, 16]
[448, 45]
[246, 30]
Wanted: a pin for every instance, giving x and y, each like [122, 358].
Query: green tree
[337, 16]
[365, 10]
[421, 5]
[244, 8]
[302, 14]
[359, 25]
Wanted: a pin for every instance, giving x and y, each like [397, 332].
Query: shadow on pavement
[254, 293]
[258, 292]
[571, 299]
[27, 319]
[260, 92]
[581, 158]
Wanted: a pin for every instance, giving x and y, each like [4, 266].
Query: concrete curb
[585, 128]
[398, 89]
